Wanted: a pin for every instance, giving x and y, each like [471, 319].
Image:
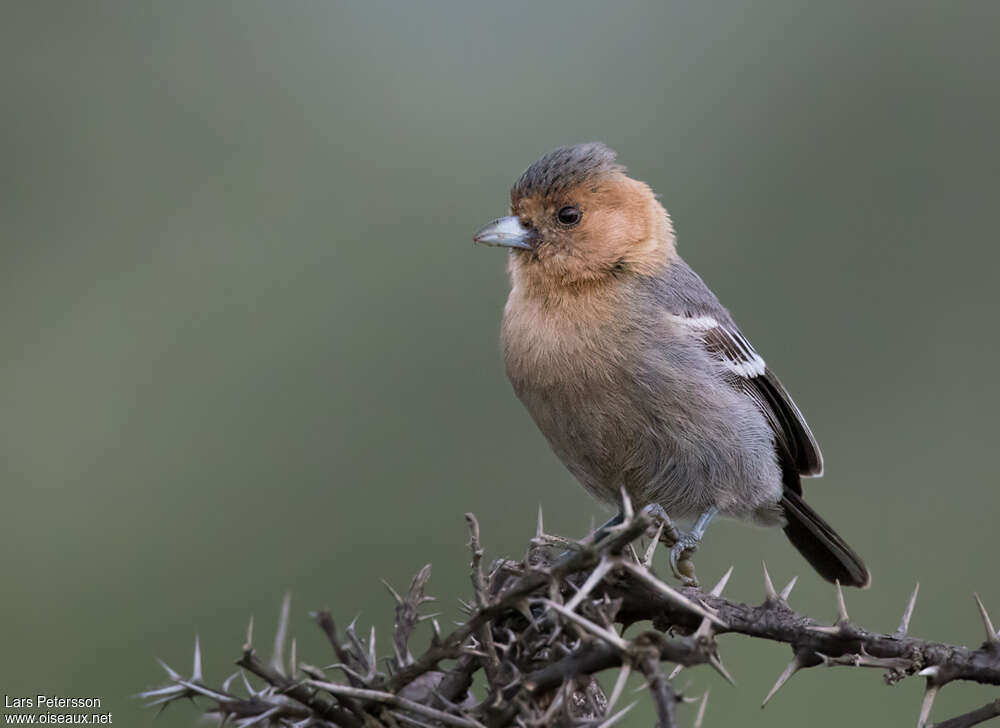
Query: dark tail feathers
[825, 551]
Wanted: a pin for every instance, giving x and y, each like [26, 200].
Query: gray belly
[669, 433]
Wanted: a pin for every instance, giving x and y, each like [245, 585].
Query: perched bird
[636, 374]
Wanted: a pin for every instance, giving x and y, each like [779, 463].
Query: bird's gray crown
[564, 168]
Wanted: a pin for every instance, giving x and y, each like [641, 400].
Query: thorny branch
[541, 630]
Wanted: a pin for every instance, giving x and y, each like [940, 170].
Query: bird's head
[577, 218]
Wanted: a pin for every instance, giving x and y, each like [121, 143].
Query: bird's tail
[825, 551]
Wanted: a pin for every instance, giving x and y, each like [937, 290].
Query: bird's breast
[552, 342]
[628, 399]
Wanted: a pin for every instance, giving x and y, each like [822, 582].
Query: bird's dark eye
[569, 215]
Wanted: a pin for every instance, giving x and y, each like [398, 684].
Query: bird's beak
[506, 232]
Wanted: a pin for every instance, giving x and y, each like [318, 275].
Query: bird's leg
[682, 545]
[671, 534]
[674, 538]
[685, 546]
[602, 532]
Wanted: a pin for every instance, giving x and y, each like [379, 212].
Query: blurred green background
[247, 344]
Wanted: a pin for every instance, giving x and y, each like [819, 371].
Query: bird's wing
[724, 341]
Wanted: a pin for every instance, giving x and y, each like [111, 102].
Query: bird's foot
[680, 558]
[670, 534]
[682, 545]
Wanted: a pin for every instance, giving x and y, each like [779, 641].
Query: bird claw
[680, 559]
[682, 546]
[669, 535]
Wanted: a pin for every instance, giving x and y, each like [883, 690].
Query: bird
[636, 374]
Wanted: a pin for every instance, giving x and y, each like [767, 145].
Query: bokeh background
[247, 345]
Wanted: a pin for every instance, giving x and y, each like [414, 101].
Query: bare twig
[541, 629]
[662, 691]
[973, 717]
[396, 701]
